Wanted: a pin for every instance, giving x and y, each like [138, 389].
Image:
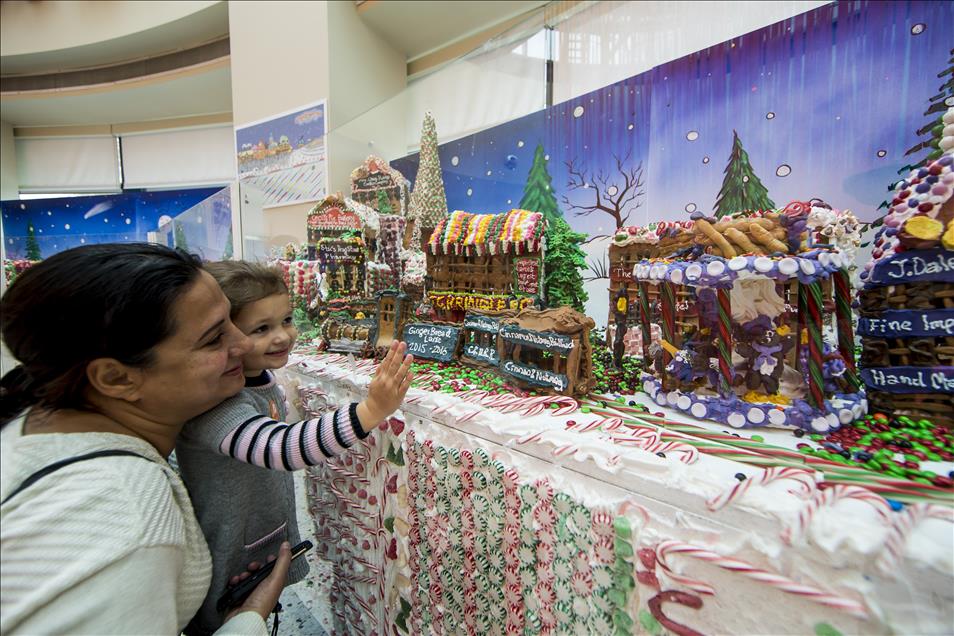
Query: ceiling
[415, 28]
[199, 92]
[201, 26]
[418, 27]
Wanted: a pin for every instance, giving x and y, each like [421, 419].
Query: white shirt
[103, 546]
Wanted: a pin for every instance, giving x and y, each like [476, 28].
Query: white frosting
[838, 553]
[754, 297]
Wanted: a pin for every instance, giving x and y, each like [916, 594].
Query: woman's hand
[388, 387]
[263, 598]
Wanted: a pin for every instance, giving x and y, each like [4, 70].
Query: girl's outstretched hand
[388, 387]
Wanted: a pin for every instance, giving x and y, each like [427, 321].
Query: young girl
[236, 458]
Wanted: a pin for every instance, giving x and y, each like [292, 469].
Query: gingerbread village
[745, 320]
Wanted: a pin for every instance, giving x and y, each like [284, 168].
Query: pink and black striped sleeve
[263, 442]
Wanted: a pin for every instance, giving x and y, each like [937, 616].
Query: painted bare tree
[617, 194]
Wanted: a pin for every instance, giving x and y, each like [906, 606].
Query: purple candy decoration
[923, 172]
[946, 160]
[923, 187]
[913, 203]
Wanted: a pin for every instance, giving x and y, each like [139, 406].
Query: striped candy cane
[785, 584]
[804, 480]
[902, 525]
[829, 497]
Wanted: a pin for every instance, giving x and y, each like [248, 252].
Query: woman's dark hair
[97, 301]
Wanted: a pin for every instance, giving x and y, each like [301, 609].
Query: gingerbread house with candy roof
[907, 304]
[485, 262]
[742, 304]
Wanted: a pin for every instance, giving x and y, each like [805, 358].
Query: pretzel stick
[706, 228]
[742, 241]
[765, 237]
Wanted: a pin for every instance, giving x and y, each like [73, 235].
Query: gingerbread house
[743, 304]
[907, 304]
[486, 262]
[336, 215]
[548, 350]
[376, 184]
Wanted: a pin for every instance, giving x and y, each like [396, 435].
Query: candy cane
[804, 479]
[530, 437]
[688, 454]
[785, 584]
[628, 505]
[828, 497]
[565, 449]
[901, 528]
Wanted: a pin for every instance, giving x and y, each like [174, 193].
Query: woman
[119, 346]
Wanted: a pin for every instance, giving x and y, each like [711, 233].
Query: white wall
[8, 163]
[367, 110]
[279, 62]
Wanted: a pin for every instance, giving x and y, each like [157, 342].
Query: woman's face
[200, 364]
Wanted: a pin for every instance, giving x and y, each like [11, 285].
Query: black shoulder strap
[43, 472]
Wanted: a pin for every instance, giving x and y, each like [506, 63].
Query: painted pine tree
[428, 200]
[32, 246]
[179, 237]
[563, 281]
[538, 192]
[934, 127]
[741, 188]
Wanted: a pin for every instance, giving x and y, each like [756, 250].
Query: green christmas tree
[384, 204]
[179, 238]
[741, 188]
[563, 282]
[428, 201]
[32, 246]
[538, 192]
[227, 253]
[934, 129]
[564, 260]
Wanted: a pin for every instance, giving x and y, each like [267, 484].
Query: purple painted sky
[835, 94]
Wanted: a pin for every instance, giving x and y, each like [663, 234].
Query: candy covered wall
[825, 105]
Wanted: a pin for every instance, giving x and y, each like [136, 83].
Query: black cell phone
[235, 596]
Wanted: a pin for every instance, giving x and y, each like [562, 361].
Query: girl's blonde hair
[244, 283]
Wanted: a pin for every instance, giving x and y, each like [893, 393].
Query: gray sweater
[245, 510]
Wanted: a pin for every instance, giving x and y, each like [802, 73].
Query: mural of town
[286, 141]
[832, 103]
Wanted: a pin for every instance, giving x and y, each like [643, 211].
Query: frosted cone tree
[428, 200]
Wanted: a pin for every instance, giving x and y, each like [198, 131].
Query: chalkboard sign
[908, 322]
[546, 340]
[910, 379]
[527, 273]
[374, 181]
[481, 354]
[478, 322]
[535, 375]
[343, 252]
[916, 265]
[430, 341]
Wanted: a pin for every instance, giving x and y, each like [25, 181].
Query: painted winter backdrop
[39, 228]
[826, 104]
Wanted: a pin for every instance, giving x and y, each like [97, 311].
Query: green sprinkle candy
[758, 438]
[824, 629]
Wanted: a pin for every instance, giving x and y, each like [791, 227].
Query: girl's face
[200, 364]
[268, 322]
